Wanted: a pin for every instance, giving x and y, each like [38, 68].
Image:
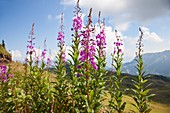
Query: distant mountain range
[155, 63]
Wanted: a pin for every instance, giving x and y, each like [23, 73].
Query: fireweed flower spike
[88, 51]
[30, 47]
[77, 27]
[100, 73]
[43, 54]
[4, 74]
[115, 90]
[31, 44]
[141, 96]
[118, 44]
[37, 57]
[61, 41]
[75, 62]
[61, 86]
[49, 59]
[61, 44]
[77, 21]
[87, 59]
[36, 78]
[101, 38]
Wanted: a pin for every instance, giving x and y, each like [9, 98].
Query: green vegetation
[4, 51]
[32, 88]
[160, 86]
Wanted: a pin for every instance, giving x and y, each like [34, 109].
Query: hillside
[155, 63]
[160, 86]
[4, 51]
[5, 56]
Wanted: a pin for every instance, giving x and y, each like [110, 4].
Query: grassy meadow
[156, 107]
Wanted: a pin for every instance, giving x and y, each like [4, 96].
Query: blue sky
[153, 16]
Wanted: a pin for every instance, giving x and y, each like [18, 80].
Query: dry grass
[16, 67]
[156, 107]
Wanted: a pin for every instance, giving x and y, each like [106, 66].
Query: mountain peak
[155, 63]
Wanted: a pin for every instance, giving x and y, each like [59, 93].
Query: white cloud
[122, 26]
[52, 54]
[110, 38]
[58, 17]
[125, 12]
[68, 2]
[49, 17]
[54, 17]
[16, 55]
[168, 42]
[142, 10]
[148, 35]
[121, 14]
[130, 47]
[68, 48]
[151, 41]
[38, 51]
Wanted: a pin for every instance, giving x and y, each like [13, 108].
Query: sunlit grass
[16, 67]
[156, 107]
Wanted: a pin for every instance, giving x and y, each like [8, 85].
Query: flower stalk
[115, 90]
[141, 92]
[75, 62]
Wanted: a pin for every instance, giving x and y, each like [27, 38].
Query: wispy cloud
[53, 17]
[16, 55]
[151, 36]
[125, 12]
[124, 15]
[49, 17]
[68, 2]
[122, 26]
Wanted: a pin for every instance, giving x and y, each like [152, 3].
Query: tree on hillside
[3, 43]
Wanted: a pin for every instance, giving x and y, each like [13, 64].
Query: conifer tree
[3, 43]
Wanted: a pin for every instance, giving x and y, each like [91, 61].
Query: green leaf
[137, 86]
[91, 95]
[147, 86]
[135, 91]
[151, 95]
[124, 77]
[148, 110]
[123, 106]
[136, 100]
[135, 106]
[145, 92]
[135, 82]
[144, 81]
